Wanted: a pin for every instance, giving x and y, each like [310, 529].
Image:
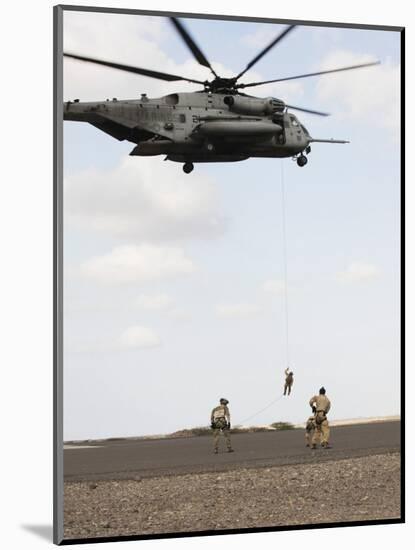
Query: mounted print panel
[228, 275]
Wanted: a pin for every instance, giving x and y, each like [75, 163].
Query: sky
[174, 284]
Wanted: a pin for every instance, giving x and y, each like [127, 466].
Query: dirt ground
[357, 489]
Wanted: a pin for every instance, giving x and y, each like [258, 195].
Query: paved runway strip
[126, 459]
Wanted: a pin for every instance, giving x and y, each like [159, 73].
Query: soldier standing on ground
[289, 380]
[220, 421]
[321, 406]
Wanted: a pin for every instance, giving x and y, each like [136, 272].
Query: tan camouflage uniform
[289, 380]
[220, 418]
[310, 428]
[322, 431]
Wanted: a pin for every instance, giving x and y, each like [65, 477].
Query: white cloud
[138, 337]
[137, 264]
[358, 271]
[154, 301]
[371, 94]
[144, 199]
[274, 286]
[236, 310]
[123, 38]
[133, 337]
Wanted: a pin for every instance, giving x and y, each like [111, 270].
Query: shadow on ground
[43, 531]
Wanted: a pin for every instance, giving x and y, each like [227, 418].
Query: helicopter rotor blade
[266, 50]
[308, 75]
[191, 44]
[320, 113]
[136, 70]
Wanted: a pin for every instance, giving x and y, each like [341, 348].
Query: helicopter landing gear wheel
[302, 160]
[188, 167]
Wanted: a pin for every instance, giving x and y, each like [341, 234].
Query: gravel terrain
[355, 489]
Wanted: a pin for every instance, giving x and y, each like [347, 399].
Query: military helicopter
[218, 123]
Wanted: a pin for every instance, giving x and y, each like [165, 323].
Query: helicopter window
[182, 118]
[293, 121]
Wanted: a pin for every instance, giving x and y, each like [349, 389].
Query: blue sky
[209, 325]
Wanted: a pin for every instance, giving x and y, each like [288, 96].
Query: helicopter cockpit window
[293, 121]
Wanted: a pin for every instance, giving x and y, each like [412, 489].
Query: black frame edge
[57, 275]
[403, 280]
[243, 18]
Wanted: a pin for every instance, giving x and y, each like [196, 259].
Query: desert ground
[148, 487]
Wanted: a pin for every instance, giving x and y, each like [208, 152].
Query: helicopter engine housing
[253, 105]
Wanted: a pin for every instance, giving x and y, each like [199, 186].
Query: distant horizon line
[333, 423]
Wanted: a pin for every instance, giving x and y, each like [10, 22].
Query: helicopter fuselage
[198, 126]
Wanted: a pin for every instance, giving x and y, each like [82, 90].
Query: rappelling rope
[262, 410]
[284, 247]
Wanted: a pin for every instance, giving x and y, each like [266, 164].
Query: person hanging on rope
[289, 381]
[220, 421]
[320, 405]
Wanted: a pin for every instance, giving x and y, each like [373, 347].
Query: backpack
[219, 419]
[220, 423]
